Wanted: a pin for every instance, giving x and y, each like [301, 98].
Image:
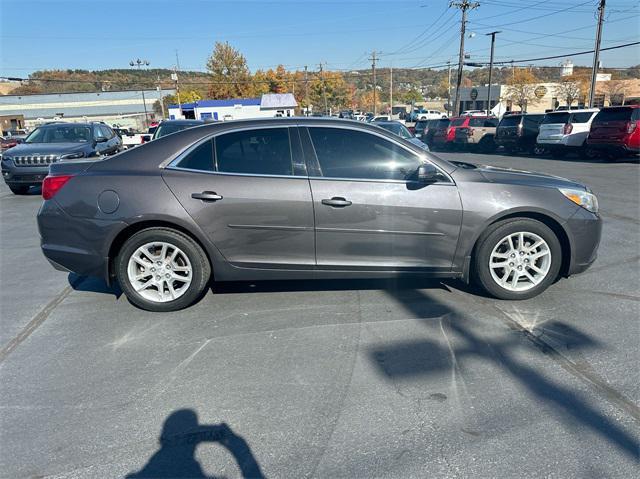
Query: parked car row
[614, 131]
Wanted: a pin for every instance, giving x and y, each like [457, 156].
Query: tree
[332, 86]
[186, 96]
[411, 96]
[615, 89]
[521, 89]
[229, 73]
[568, 91]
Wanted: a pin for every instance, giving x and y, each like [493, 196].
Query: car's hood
[496, 174]
[45, 149]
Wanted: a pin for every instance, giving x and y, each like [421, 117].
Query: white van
[565, 131]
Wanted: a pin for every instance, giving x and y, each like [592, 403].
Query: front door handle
[337, 202]
[206, 196]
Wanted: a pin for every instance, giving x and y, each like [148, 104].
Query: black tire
[588, 153]
[19, 189]
[201, 269]
[487, 145]
[538, 150]
[489, 240]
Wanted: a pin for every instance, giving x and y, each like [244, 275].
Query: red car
[616, 130]
[443, 138]
[9, 142]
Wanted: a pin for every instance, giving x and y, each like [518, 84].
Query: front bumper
[80, 245]
[26, 176]
[585, 229]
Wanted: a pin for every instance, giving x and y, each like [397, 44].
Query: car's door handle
[337, 202]
[206, 196]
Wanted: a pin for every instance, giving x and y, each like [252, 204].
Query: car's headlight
[72, 156]
[583, 198]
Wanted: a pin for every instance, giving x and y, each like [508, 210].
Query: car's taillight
[631, 127]
[52, 184]
[568, 128]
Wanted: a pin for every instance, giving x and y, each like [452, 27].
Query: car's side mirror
[427, 173]
[101, 139]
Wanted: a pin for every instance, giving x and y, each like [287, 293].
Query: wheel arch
[555, 226]
[133, 228]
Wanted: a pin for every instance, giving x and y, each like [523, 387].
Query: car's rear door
[249, 192]
[368, 212]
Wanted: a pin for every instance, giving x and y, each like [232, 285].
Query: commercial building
[269, 105]
[124, 108]
[11, 123]
[608, 92]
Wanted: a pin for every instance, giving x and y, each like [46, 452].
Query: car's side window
[346, 153]
[264, 151]
[98, 133]
[200, 158]
[106, 132]
[581, 117]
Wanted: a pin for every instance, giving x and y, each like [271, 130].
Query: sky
[85, 34]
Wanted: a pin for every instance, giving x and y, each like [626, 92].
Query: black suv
[166, 127]
[518, 132]
[27, 164]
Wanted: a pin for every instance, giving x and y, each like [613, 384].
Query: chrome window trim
[172, 165]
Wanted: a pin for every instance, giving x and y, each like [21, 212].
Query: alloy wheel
[159, 271]
[520, 261]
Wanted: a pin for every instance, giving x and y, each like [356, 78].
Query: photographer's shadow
[181, 435]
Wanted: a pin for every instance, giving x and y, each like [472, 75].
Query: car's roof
[68, 123]
[182, 122]
[159, 152]
[574, 110]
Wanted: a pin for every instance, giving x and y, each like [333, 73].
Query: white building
[269, 105]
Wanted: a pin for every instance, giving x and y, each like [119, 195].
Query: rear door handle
[206, 196]
[337, 202]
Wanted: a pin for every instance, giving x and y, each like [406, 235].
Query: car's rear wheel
[517, 259]
[19, 189]
[160, 269]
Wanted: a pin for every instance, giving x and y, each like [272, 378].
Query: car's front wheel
[517, 259]
[160, 269]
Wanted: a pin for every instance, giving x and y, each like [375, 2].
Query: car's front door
[249, 192]
[370, 212]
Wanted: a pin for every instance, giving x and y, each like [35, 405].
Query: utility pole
[160, 96]
[391, 92]
[449, 89]
[140, 63]
[306, 89]
[493, 42]
[464, 6]
[596, 53]
[176, 69]
[324, 91]
[373, 68]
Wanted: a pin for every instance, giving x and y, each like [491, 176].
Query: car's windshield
[551, 118]
[60, 134]
[167, 128]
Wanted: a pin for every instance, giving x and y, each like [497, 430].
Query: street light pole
[493, 42]
[140, 63]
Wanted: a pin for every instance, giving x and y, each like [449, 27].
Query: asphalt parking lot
[327, 379]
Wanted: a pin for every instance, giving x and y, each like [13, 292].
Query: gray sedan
[308, 198]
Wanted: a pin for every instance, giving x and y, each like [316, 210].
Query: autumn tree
[330, 85]
[230, 74]
[411, 96]
[615, 89]
[521, 89]
[568, 90]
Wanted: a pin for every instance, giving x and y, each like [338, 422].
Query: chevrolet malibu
[308, 198]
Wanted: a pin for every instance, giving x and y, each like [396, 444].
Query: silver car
[308, 198]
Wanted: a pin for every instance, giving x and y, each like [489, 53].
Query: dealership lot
[327, 379]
